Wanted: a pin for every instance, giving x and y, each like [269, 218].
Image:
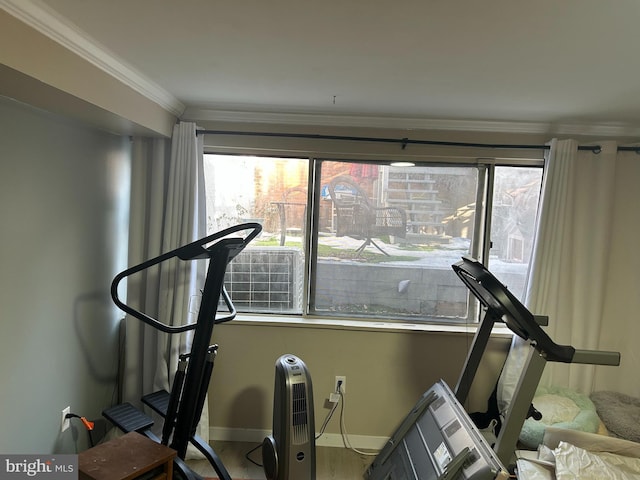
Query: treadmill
[502, 306]
[437, 439]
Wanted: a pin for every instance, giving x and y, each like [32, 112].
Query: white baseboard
[254, 435]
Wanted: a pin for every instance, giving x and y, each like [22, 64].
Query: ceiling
[550, 61]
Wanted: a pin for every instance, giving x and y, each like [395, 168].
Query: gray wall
[63, 207]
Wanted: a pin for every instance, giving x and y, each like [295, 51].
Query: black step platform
[128, 418]
[158, 401]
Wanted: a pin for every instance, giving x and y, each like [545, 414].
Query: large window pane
[515, 204]
[388, 237]
[267, 277]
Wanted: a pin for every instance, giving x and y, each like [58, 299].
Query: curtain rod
[403, 141]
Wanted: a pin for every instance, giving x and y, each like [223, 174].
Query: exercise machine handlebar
[505, 306]
[204, 248]
[596, 357]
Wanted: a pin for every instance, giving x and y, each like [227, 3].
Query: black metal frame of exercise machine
[182, 407]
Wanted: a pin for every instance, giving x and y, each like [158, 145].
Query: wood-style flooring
[332, 463]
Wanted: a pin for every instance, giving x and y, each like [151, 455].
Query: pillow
[556, 408]
[561, 408]
[620, 413]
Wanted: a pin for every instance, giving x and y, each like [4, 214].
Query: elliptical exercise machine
[182, 407]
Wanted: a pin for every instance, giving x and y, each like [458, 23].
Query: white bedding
[588, 457]
[574, 462]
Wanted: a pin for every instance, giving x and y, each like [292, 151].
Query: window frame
[481, 241]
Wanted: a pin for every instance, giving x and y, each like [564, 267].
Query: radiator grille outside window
[266, 279]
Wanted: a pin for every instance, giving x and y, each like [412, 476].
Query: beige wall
[386, 372]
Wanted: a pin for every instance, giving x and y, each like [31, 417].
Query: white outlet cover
[65, 423]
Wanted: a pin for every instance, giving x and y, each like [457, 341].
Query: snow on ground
[443, 255]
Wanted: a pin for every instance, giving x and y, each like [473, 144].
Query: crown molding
[49, 23]
[407, 123]
[597, 130]
[333, 120]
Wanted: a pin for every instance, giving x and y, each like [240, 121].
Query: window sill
[296, 321]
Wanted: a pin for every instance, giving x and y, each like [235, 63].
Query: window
[514, 207]
[268, 276]
[377, 240]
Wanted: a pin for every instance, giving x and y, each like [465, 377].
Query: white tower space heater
[290, 452]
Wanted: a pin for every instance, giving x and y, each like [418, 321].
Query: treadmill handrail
[191, 251]
[495, 296]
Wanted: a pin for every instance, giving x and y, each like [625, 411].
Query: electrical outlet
[65, 422]
[343, 384]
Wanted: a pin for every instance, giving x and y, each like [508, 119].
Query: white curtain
[569, 273]
[167, 211]
[620, 330]
[150, 161]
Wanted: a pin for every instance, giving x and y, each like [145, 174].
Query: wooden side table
[131, 456]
